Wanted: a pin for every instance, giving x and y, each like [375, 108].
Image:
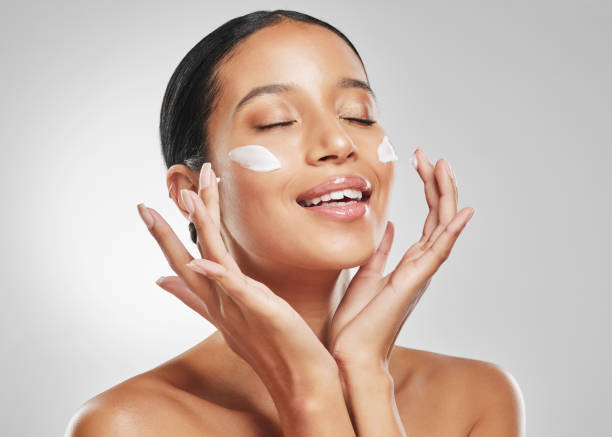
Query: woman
[278, 106]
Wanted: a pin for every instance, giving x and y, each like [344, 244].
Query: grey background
[516, 95]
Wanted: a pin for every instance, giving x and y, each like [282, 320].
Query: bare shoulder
[151, 404]
[473, 394]
[139, 406]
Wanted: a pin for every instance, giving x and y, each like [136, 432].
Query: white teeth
[336, 195]
[353, 194]
[314, 201]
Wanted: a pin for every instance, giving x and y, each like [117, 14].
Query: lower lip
[349, 212]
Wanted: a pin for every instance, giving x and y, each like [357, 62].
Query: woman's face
[261, 217]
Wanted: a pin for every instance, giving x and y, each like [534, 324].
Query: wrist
[318, 408]
[371, 367]
[372, 377]
[304, 389]
[371, 401]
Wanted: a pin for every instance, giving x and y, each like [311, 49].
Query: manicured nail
[414, 161]
[145, 215]
[187, 201]
[471, 214]
[205, 175]
[160, 280]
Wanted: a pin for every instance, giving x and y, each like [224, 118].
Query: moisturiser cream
[254, 157]
[386, 153]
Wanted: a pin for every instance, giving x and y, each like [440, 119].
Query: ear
[180, 177]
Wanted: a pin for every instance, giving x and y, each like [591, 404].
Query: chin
[337, 251]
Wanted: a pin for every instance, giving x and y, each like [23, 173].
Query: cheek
[247, 197]
[251, 200]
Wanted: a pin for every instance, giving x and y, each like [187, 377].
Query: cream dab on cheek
[254, 157]
[386, 153]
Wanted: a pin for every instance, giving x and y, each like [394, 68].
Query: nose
[330, 143]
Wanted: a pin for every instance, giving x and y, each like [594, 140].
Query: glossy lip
[337, 183]
[342, 212]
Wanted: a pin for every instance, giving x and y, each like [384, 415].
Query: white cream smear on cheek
[255, 157]
[386, 152]
[258, 158]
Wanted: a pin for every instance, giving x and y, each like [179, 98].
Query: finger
[390, 307]
[363, 288]
[447, 205]
[448, 200]
[234, 284]
[204, 192]
[176, 286]
[454, 179]
[210, 243]
[207, 230]
[414, 251]
[176, 254]
[215, 210]
[420, 269]
[425, 169]
[378, 260]
[209, 192]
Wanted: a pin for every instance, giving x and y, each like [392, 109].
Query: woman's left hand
[374, 308]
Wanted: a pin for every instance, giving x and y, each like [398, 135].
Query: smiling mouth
[329, 201]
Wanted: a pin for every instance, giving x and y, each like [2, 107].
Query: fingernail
[145, 215]
[187, 201]
[414, 161]
[160, 280]
[205, 175]
[471, 214]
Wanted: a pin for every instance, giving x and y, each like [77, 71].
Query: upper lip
[336, 183]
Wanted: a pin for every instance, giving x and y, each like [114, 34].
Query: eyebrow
[278, 88]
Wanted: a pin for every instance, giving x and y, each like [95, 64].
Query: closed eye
[286, 123]
[270, 126]
[361, 120]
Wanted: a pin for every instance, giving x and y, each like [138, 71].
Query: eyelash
[286, 123]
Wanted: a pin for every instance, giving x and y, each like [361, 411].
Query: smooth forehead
[308, 55]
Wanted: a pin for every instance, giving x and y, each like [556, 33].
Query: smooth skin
[300, 350]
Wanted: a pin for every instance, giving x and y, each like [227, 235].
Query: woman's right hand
[258, 325]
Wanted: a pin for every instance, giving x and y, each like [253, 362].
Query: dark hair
[191, 93]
